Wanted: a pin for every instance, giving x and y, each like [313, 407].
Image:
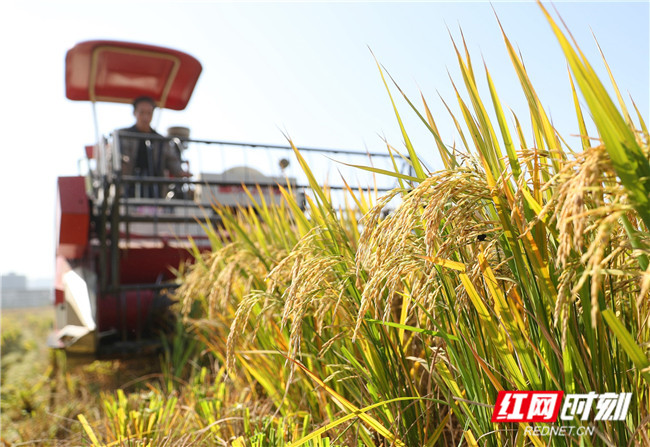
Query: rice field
[522, 265]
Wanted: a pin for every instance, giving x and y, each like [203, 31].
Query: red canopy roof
[113, 71]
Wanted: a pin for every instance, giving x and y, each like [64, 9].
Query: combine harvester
[116, 251]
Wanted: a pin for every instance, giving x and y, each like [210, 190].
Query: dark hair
[140, 99]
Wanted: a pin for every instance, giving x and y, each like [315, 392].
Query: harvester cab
[120, 232]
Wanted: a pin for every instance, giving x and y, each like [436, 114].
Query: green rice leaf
[413, 329]
[372, 422]
[637, 355]
[89, 431]
[386, 172]
[347, 417]
[415, 160]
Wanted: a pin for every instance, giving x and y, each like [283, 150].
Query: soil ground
[43, 391]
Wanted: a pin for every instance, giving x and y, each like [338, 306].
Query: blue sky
[268, 68]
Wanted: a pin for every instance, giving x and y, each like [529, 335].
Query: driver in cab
[147, 157]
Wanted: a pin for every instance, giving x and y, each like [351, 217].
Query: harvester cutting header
[123, 226]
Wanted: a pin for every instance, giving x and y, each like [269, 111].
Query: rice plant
[514, 268]
[523, 265]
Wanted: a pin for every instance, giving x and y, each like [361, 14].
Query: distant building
[14, 293]
[12, 281]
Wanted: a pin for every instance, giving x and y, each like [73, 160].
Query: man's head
[143, 108]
